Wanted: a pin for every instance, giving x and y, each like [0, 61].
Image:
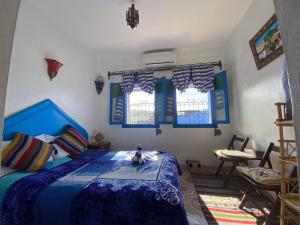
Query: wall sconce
[99, 82]
[53, 67]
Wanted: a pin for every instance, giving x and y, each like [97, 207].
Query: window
[139, 109]
[190, 109]
[207, 110]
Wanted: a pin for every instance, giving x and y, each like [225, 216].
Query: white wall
[186, 143]
[253, 92]
[73, 89]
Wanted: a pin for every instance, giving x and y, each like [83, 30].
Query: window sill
[195, 125]
[139, 126]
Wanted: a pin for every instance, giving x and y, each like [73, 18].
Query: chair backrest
[266, 157]
[243, 142]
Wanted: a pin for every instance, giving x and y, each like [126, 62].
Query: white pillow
[41, 137]
[46, 138]
[60, 153]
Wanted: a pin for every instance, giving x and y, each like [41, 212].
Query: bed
[96, 188]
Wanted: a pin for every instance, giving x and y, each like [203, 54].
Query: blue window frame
[193, 109]
[203, 110]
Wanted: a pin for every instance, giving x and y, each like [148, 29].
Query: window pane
[140, 107]
[192, 107]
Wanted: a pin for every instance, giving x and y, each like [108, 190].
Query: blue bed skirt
[99, 188]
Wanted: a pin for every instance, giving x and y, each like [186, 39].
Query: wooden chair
[235, 160]
[254, 186]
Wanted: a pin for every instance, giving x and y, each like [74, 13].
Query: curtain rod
[163, 68]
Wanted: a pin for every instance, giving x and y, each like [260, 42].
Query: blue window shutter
[116, 103]
[160, 101]
[169, 101]
[219, 99]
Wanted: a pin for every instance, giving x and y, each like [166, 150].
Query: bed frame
[42, 118]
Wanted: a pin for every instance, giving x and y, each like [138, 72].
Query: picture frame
[266, 44]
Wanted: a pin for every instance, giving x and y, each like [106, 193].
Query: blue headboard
[42, 118]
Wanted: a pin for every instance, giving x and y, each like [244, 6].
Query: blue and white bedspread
[99, 188]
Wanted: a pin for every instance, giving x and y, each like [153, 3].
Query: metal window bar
[164, 68]
[141, 113]
[192, 112]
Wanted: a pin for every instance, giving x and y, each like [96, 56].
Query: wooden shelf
[289, 196]
[285, 123]
[292, 202]
[289, 160]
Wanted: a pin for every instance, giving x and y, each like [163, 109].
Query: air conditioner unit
[159, 58]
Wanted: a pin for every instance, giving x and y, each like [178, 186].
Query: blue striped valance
[145, 80]
[201, 77]
[127, 84]
[181, 79]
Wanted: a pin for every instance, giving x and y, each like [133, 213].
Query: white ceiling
[100, 25]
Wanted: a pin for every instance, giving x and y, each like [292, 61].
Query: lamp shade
[53, 67]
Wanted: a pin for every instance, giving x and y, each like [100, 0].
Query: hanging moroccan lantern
[132, 16]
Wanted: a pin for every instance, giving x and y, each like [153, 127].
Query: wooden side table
[101, 146]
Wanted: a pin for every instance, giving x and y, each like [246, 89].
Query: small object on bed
[137, 159]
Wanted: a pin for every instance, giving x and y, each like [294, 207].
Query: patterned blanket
[99, 188]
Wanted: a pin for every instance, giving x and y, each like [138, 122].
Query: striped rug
[219, 204]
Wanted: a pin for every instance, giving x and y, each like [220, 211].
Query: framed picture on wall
[266, 45]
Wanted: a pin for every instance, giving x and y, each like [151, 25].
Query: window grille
[140, 108]
[192, 107]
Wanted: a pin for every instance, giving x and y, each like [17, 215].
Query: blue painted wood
[42, 118]
[226, 101]
[111, 106]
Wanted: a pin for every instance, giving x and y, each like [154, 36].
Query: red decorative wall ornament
[53, 67]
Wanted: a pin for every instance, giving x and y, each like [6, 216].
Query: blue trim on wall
[42, 118]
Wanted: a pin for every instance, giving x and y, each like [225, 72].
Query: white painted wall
[253, 92]
[185, 143]
[73, 89]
